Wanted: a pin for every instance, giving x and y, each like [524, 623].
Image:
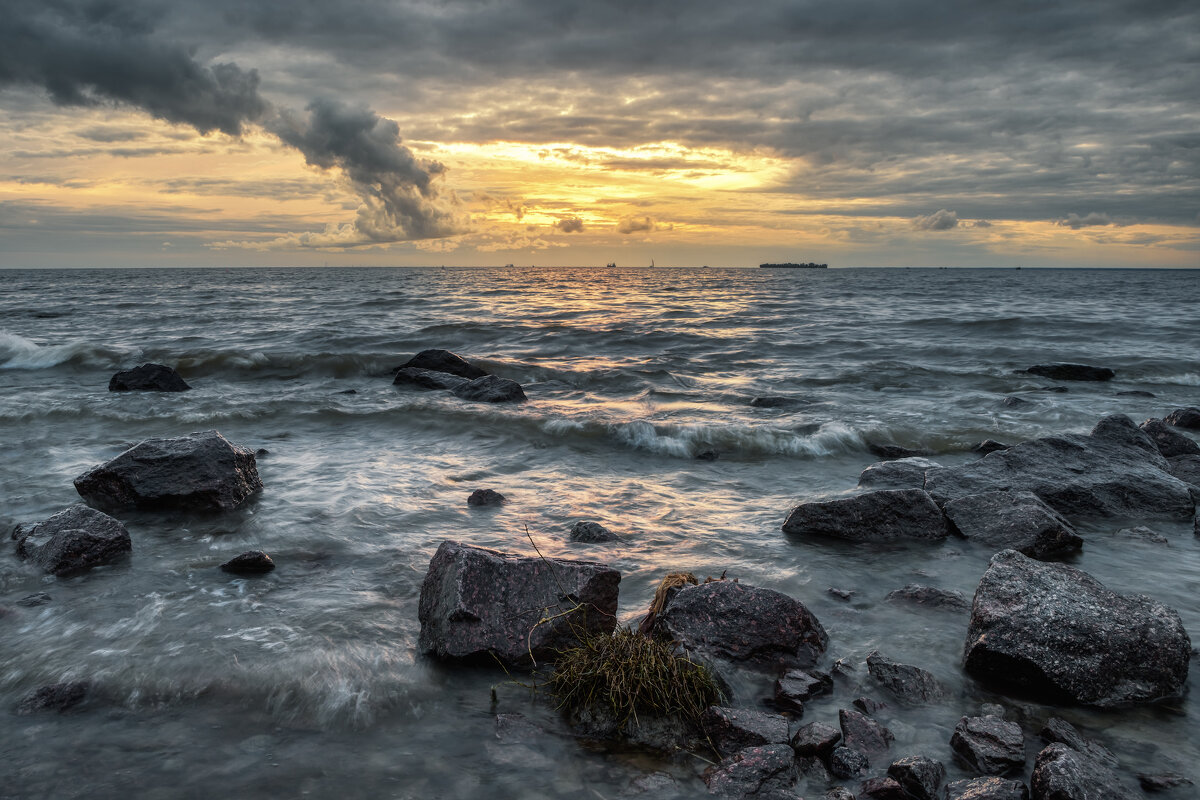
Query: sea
[307, 682]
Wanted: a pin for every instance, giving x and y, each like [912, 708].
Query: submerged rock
[884, 515]
[478, 603]
[198, 472]
[443, 361]
[753, 772]
[919, 776]
[776, 401]
[1055, 630]
[1170, 442]
[1186, 468]
[1059, 730]
[733, 729]
[734, 622]
[485, 497]
[592, 533]
[860, 732]
[491, 389]
[990, 788]
[990, 745]
[1071, 372]
[58, 697]
[73, 541]
[1061, 773]
[148, 378]
[1162, 781]
[894, 451]
[34, 600]
[427, 379]
[929, 596]
[902, 473]
[1013, 520]
[910, 685]
[252, 562]
[1184, 418]
[989, 446]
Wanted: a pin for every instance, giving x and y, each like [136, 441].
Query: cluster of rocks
[441, 369]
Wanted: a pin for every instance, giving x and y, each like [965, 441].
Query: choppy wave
[17, 352]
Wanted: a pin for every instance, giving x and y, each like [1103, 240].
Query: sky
[552, 132]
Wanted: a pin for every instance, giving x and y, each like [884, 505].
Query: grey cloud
[570, 225]
[940, 220]
[110, 134]
[1075, 222]
[627, 225]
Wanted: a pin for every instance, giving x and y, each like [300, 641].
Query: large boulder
[477, 604]
[1116, 470]
[1013, 520]
[885, 515]
[902, 473]
[919, 776]
[861, 733]
[443, 361]
[1170, 442]
[1186, 468]
[754, 772]
[733, 729]
[1061, 773]
[1054, 630]
[198, 472]
[746, 625]
[427, 379]
[989, 744]
[148, 378]
[910, 685]
[1184, 418]
[491, 389]
[73, 541]
[1072, 372]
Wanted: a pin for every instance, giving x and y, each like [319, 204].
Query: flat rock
[733, 729]
[427, 379]
[73, 541]
[58, 697]
[989, 745]
[443, 361]
[478, 603]
[1186, 468]
[989, 788]
[910, 685]
[148, 378]
[485, 497]
[1013, 520]
[815, 739]
[198, 472]
[1054, 630]
[742, 624]
[902, 473]
[1061, 773]
[860, 732]
[893, 451]
[1114, 471]
[797, 685]
[847, 763]
[491, 389]
[252, 562]
[592, 533]
[1184, 418]
[1059, 730]
[1071, 372]
[930, 597]
[919, 776]
[1170, 442]
[753, 772]
[885, 515]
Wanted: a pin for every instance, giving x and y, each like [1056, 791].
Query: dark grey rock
[1057, 631]
[989, 446]
[477, 603]
[656, 785]
[911, 685]
[666, 734]
[73, 541]
[1136, 393]
[252, 562]
[707, 455]
[517, 729]
[733, 729]
[148, 378]
[1061, 773]
[930, 597]
[58, 697]
[860, 732]
[198, 472]
[491, 389]
[427, 379]
[884, 515]
[1145, 534]
[1071, 372]
[1162, 781]
[847, 763]
[921, 777]
[815, 739]
[841, 594]
[1170, 442]
[902, 473]
[34, 600]
[893, 451]
[592, 533]
[775, 401]
[989, 788]
[1115, 471]
[1018, 520]
[753, 772]
[1186, 468]
[839, 793]
[989, 745]
[1059, 730]
[443, 361]
[746, 625]
[1012, 401]
[868, 706]
[991, 709]
[886, 788]
[1184, 418]
[485, 497]
[796, 686]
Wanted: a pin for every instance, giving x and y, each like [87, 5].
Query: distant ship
[611, 264]
[789, 265]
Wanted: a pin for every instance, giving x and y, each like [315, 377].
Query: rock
[816, 739]
[1012, 401]
[894, 451]
[992, 710]
[775, 401]
[753, 772]
[1162, 781]
[1136, 393]
[34, 600]
[860, 732]
[656, 785]
[733, 729]
[58, 697]
[930, 597]
[839, 793]
[911, 685]
[796, 686]
[1115, 471]
[252, 562]
[1144, 533]
[882, 789]
[427, 379]
[841, 594]
[1057, 631]
[847, 763]
[73, 541]
[1013, 520]
[197, 472]
[1059, 730]
[1054, 389]
[443, 361]
[1061, 773]
[1186, 469]
[1071, 372]
[735, 622]
[989, 446]
[1170, 442]
[868, 706]
[491, 389]
[148, 378]
[1184, 418]
[987, 789]
[476, 603]
[348, 391]
[592, 533]
[665, 734]
[902, 473]
[485, 497]
[884, 515]
[921, 777]
[990, 745]
[707, 455]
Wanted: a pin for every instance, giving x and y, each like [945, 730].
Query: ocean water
[306, 682]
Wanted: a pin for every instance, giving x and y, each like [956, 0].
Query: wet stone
[1018, 520]
[847, 763]
[73, 541]
[815, 739]
[1059, 730]
[838, 793]
[841, 594]
[252, 562]
[1186, 468]
[901, 473]
[910, 685]
[1061, 772]
[58, 697]
[733, 729]
[894, 451]
[1162, 781]
[990, 745]
[655, 785]
[868, 705]
[427, 379]
[919, 776]
[930, 597]
[443, 361]
[485, 497]
[1170, 442]
[989, 446]
[753, 772]
[32, 600]
[1145, 534]
[860, 732]
[592, 533]
[885, 515]
[1071, 372]
[1184, 418]
[882, 789]
[796, 686]
[990, 788]
[148, 378]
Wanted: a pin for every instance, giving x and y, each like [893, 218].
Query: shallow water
[306, 681]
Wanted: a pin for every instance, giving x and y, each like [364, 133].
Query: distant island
[789, 265]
